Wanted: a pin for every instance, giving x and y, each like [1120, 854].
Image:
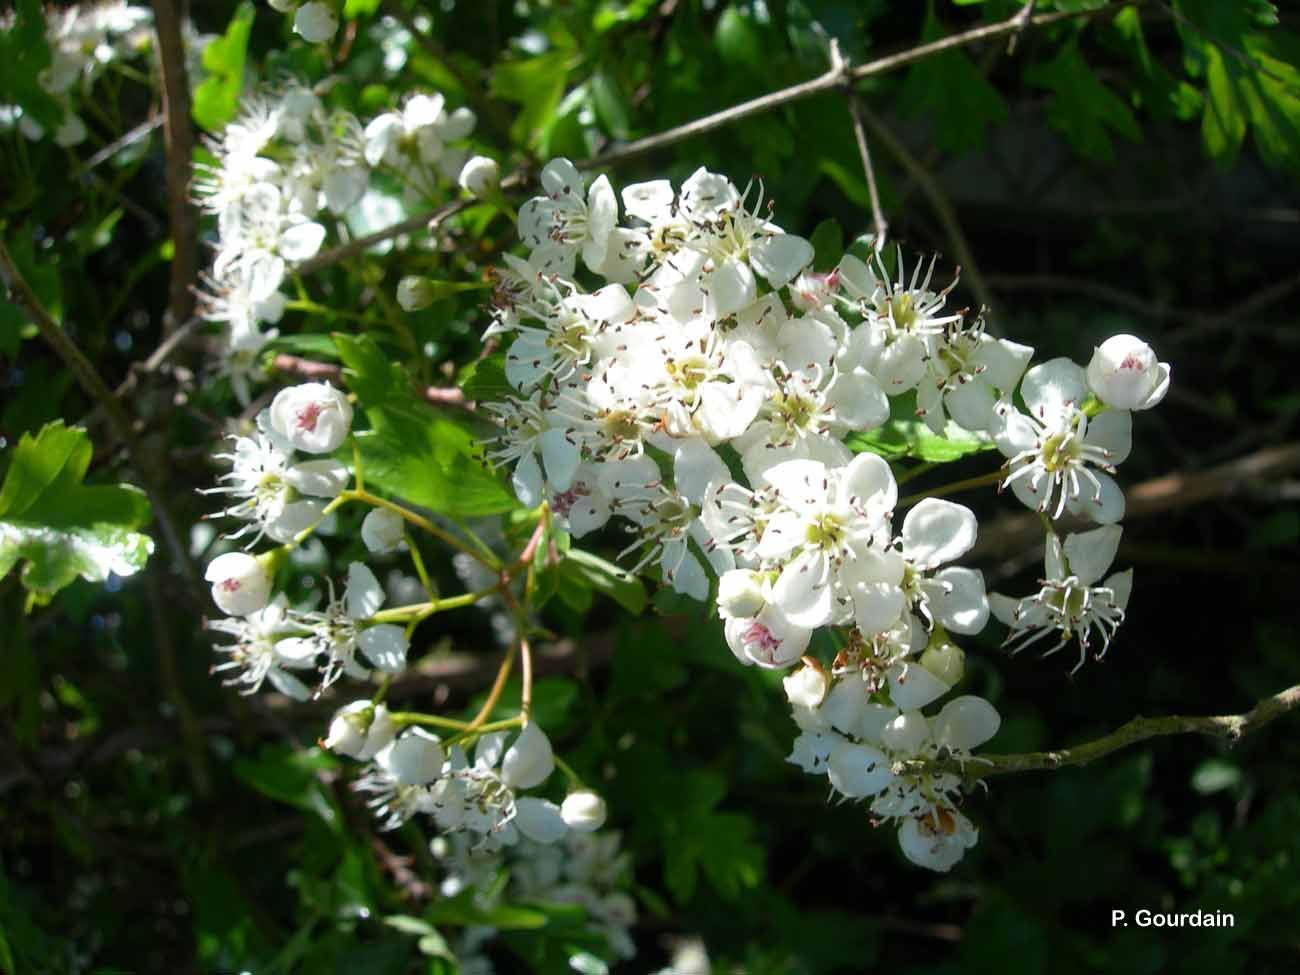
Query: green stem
[955, 487]
[575, 779]
[422, 611]
[361, 494]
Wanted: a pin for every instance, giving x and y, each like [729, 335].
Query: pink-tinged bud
[1125, 375]
[314, 417]
[241, 584]
[584, 811]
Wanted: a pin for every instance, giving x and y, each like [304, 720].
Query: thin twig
[832, 79]
[1230, 726]
[877, 212]
[179, 134]
[938, 201]
[429, 222]
[311, 369]
[122, 142]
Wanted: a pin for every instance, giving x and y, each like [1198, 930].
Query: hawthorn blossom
[1071, 601]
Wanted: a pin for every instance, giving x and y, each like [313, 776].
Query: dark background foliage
[1129, 170]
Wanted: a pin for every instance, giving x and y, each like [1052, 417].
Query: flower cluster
[685, 370]
[84, 40]
[589, 870]
[280, 171]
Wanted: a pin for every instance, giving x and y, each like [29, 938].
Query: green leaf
[1083, 109]
[61, 528]
[216, 100]
[412, 451]
[291, 777]
[949, 91]
[352, 9]
[535, 83]
[828, 244]
[905, 435]
[484, 380]
[721, 844]
[610, 105]
[606, 578]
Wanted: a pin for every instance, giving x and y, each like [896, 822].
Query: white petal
[688, 578]
[1121, 584]
[696, 465]
[527, 481]
[877, 607]
[385, 646]
[966, 722]
[869, 481]
[1112, 430]
[780, 258]
[803, 592]
[301, 241]
[956, 598]
[1091, 553]
[1055, 387]
[732, 287]
[364, 594]
[912, 687]
[971, 405]
[858, 770]
[1105, 508]
[539, 819]
[936, 531]
[319, 478]
[560, 457]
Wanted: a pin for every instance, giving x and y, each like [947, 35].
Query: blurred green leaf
[1083, 109]
[216, 99]
[605, 578]
[61, 528]
[905, 435]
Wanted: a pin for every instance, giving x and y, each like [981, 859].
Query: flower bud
[1125, 375]
[480, 176]
[315, 22]
[529, 761]
[414, 293]
[740, 594]
[359, 730]
[539, 819]
[313, 417]
[583, 811]
[382, 531]
[806, 687]
[413, 759]
[946, 661]
[241, 584]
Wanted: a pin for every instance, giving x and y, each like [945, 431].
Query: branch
[1230, 726]
[837, 76]
[311, 369]
[877, 212]
[429, 221]
[179, 135]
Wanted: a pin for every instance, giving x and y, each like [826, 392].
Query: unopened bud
[480, 176]
[241, 584]
[740, 594]
[414, 293]
[315, 22]
[382, 531]
[583, 811]
[359, 730]
[946, 661]
[1125, 375]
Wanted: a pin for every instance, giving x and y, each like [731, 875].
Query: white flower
[968, 378]
[569, 220]
[1125, 375]
[938, 838]
[382, 531]
[583, 811]
[1071, 601]
[529, 761]
[343, 628]
[240, 583]
[1060, 460]
[260, 237]
[359, 730]
[313, 417]
[479, 176]
[254, 653]
[858, 771]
